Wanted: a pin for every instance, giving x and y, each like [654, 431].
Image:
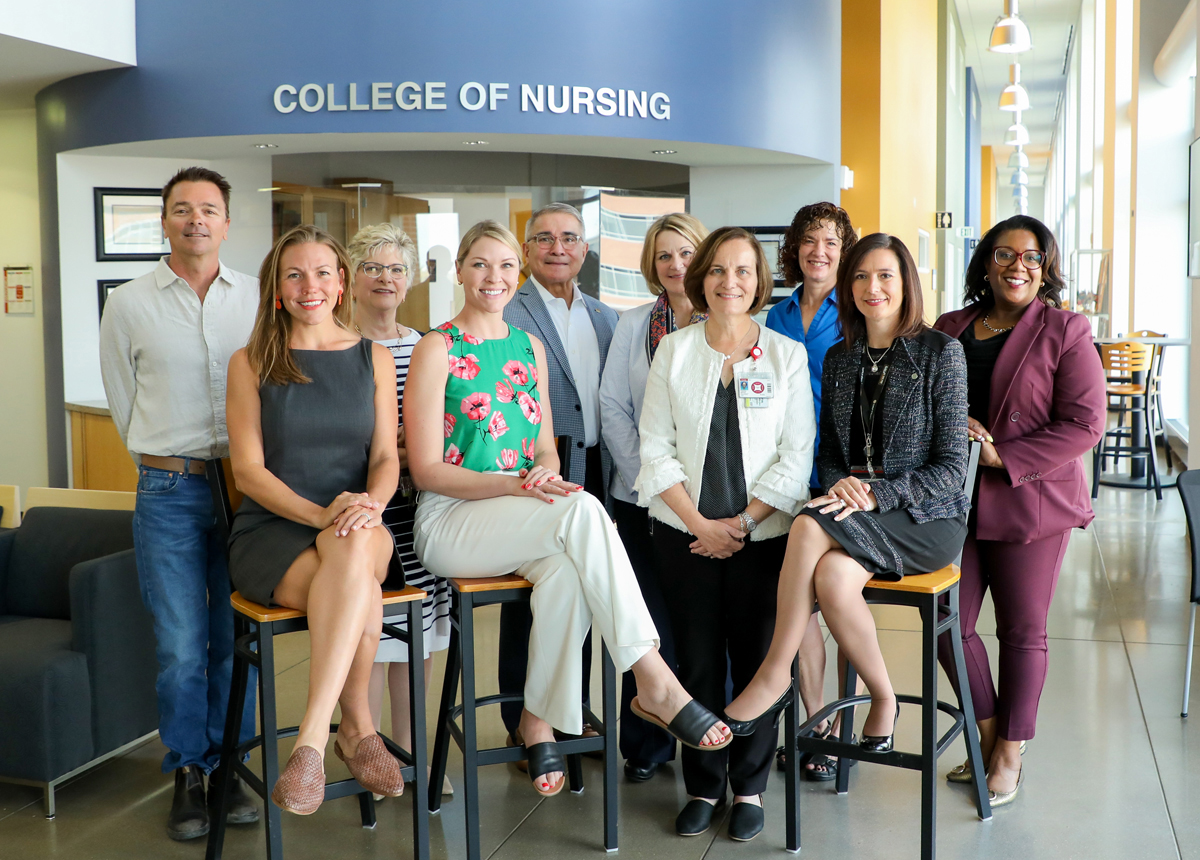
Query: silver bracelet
[747, 522]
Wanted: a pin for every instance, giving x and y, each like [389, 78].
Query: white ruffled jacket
[777, 441]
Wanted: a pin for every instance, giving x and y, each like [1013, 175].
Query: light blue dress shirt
[823, 332]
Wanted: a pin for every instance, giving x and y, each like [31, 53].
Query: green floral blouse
[493, 412]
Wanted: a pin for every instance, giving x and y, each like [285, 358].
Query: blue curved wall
[734, 74]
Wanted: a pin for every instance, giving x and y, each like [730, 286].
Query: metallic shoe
[962, 773]
[301, 786]
[997, 799]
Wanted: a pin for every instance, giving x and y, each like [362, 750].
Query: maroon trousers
[1022, 578]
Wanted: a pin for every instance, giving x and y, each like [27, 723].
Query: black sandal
[545, 758]
[689, 726]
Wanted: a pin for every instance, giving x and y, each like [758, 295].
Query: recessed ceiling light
[266, 146]
[475, 143]
[663, 151]
[272, 188]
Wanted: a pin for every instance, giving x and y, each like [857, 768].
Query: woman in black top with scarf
[895, 399]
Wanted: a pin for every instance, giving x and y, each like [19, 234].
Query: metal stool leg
[270, 736]
[469, 730]
[1187, 672]
[965, 704]
[441, 741]
[929, 736]
[233, 729]
[611, 808]
[843, 769]
[416, 717]
[791, 725]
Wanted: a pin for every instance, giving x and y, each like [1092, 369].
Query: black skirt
[893, 545]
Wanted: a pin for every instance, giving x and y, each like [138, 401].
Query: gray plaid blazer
[528, 312]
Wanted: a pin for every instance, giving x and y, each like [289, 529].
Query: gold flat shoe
[962, 773]
[998, 799]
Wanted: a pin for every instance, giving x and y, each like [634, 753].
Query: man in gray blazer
[576, 331]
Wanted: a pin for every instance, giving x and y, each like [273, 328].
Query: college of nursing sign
[473, 96]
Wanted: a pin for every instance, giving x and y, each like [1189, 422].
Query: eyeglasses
[547, 240]
[374, 270]
[1007, 256]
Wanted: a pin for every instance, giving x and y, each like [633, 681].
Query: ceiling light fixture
[1017, 134]
[1014, 96]
[1020, 192]
[1019, 178]
[1010, 35]
[663, 151]
[1018, 158]
[266, 146]
[272, 188]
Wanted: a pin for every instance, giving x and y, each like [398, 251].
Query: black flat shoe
[741, 728]
[640, 771]
[745, 821]
[881, 744]
[189, 811]
[239, 808]
[696, 817]
[545, 758]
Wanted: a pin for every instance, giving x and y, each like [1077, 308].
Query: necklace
[868, 418]
[399, 336]
[990, 328]
[742, 340]
[875, 361]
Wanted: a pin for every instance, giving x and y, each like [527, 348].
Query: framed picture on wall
[129, 224]
[104, 290]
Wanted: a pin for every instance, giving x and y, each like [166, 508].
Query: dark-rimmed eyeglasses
[1007, 256]
[547, 240]
[375, 270]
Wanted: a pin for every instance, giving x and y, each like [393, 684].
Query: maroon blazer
[1047, 410]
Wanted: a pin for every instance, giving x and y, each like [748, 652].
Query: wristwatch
[747, 522]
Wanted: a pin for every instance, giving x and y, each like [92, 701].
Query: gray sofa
[77, 664]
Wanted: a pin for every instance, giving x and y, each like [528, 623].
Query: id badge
[757, 389]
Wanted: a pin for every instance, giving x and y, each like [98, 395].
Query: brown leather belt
[173, 464]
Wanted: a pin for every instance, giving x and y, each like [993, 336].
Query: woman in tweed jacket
[893, 466]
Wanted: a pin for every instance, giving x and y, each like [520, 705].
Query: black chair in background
[468, 595]
[77, 665]
[935, 595]
[1189, 494]
[255, 629]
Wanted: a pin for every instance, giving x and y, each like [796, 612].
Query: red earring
[278, 304]
[339, 297]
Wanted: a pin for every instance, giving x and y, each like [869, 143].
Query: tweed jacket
[924, 421]
[776, 440]
[1047, 411]
[528, 312]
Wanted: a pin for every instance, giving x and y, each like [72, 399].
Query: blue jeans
[185, 585]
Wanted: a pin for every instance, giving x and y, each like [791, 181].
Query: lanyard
[868, 419]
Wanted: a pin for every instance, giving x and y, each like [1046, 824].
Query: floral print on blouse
[493, 413]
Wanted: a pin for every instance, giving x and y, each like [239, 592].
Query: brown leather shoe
[373, 766]
[301, 786]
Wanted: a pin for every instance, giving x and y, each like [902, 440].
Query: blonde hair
[687, 226]
[267, 349]
[487, 230]
[374, 238]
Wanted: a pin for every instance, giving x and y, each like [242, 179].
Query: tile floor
[1109, 775]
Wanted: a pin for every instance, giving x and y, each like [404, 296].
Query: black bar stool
[466, 596]
[255, 629]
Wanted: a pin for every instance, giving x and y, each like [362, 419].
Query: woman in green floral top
[481, 449]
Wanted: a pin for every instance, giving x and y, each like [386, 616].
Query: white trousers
[572, 554]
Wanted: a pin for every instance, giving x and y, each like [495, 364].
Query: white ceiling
[1042, 75]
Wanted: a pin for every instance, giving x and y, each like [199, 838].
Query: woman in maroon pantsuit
[1035, 394]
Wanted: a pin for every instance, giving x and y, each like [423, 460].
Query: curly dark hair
[977, 290]
[806, 219]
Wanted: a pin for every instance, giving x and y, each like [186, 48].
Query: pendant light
[1014, 97]
[1019, 178]
[1020, 192]
[1017, 134]
[1018, 158]
[1009, 33]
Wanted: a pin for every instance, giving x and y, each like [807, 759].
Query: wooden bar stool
[468, 594]
[935, 595]
[255, 629]
[1133, 362]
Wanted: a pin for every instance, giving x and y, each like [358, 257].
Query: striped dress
[398, 516]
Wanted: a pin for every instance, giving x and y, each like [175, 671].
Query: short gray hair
[376, 237]
[548, 209]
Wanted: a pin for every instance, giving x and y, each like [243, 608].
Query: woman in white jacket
[727, 435]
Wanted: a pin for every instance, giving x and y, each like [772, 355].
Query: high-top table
[1137, 465]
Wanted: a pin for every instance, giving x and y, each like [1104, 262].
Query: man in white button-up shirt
[165, 342]
[576, 331]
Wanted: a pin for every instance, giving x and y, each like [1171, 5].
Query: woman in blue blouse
[666, 253]
[819, 238]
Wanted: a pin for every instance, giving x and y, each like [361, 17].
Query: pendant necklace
[868, 418]
[360, 332]
[875, 361]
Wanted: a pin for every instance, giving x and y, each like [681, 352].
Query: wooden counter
[99, 460]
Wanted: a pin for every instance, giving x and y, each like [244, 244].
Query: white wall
[100, 29]
[22, 380]
[249, 240]
[758, 196]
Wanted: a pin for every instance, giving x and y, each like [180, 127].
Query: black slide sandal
[545, 758]
[689, 726]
